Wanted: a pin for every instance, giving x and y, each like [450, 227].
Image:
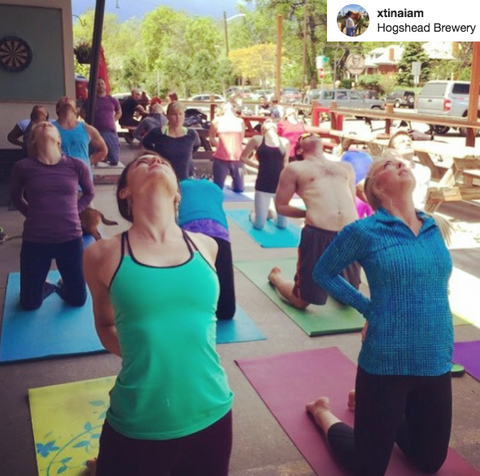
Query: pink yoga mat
[468, 355]
[286, 382]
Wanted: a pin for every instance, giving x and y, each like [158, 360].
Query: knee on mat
[30, 305]
[226, 313]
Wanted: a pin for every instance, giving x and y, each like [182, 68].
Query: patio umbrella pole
[96, 44]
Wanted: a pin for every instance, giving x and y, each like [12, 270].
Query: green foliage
[346, 83]
[381, 83]
[412, 52]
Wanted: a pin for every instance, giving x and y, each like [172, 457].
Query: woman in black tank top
[271, 152]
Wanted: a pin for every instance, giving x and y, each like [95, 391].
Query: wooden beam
[474, 92]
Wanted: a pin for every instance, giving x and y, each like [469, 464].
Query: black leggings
[205, 453]
[35, 262]
[224, 264]
[414, 412]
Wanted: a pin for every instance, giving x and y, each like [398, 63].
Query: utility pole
[226, 31]
[304, 69]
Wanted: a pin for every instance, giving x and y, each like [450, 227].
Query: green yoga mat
[67, 420]
[332, 318]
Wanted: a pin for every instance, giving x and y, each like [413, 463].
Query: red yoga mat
[286, 382]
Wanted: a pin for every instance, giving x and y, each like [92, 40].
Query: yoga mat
[239, 329]
[468, 355]
[271, 236]
[231, 196]
[463, 297]
[67, 420]
[87, 241]
[52, 330]
[332, 318]
[286, 382]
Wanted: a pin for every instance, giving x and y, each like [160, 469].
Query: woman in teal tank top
[155, 292]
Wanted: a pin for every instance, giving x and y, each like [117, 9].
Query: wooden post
[212, 107]
[226, 32]
[278, 85]
[304, 63]
[474, 92]
[388, 121]
[334, 115]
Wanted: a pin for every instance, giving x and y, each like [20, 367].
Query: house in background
[385, 60]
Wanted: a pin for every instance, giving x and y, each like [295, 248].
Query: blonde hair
[371, 178]
[174, 107]
[32, 149]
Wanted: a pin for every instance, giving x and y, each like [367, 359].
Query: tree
[413, 51]
[255, 62]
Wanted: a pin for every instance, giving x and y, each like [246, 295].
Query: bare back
[327, 188]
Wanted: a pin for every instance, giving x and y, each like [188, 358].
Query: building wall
[46, 25]
[387, 68]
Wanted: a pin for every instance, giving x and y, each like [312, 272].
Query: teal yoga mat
[270, 236]
[231, 196]
[55, 329]
[239, 329]
[332, 318]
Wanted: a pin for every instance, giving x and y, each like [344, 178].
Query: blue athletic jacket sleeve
[347, 247]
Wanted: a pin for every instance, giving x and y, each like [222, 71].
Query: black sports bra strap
[189, 242]
[127, 240]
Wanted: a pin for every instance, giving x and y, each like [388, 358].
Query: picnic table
[455, 169]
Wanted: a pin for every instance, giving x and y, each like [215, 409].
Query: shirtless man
[328, 190]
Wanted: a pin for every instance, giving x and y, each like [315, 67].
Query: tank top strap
[190, 243]
[126, 240]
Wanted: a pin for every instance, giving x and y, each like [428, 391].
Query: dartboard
[15, 54]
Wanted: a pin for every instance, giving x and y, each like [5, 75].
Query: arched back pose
[52, 227]
[272, 155]
[174, 141]
[403, 388]
[155, 293]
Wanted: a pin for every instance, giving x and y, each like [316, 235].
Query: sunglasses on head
[306, 135]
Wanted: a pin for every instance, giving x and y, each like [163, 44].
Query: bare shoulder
[100, 252]
[345, 165]
[205, 244]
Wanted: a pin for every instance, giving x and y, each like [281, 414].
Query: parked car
[445, 98]
[401, 98]
[266, 93]
[311, 95]
[345, 98]
[290, 95]
[206, 97]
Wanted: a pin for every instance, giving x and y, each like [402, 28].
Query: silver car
[348, 98]
[445, 98]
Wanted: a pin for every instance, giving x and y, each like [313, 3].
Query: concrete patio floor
[261, 447]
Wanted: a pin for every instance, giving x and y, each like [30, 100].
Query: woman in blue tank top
[155, 293]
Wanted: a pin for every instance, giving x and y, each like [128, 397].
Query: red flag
[102, 69]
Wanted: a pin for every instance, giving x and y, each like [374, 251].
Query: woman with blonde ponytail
[403, 385]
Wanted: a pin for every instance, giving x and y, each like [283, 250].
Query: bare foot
[274, 273]
[351, 400]
[322, 414]
[318, 406]
[91, 467]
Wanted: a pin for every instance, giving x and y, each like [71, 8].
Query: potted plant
[83, 52]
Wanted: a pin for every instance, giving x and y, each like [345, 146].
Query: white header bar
[409, 20]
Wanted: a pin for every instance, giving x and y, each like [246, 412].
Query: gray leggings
[262, 204]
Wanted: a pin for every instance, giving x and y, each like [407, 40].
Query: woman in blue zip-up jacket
[403, 388]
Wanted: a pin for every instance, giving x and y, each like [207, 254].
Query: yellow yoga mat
[67, 421]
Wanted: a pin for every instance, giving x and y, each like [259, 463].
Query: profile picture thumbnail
[353, 20]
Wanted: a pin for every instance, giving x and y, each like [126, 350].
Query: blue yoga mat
[55, 329]
[231, 196]
[271, 236]
[239, 329]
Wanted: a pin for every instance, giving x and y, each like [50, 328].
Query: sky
[138, 8]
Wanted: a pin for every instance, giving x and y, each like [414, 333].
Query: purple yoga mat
[286, 382]
[468, 355]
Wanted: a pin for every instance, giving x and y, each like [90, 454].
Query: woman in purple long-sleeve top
[44, 188]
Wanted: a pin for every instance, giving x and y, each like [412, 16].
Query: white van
[444, 98]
